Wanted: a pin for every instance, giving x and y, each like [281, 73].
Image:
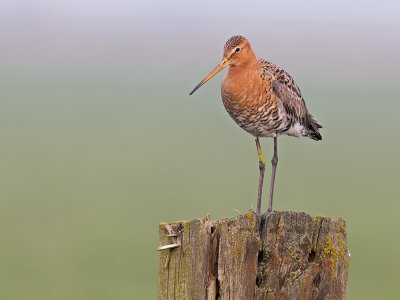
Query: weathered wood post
[286, 255]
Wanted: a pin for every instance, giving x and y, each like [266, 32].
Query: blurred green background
[100, 141]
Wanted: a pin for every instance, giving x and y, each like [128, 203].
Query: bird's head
[237, 51]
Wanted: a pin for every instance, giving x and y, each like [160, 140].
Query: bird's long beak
[222, 65]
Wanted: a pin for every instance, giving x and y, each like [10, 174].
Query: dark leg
[261, 166]
[274, 162]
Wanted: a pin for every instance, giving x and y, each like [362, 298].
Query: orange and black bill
[222, 65]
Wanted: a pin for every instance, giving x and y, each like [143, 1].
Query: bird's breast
[244, 91]
[248, 99]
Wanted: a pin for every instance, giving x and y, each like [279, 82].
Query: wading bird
[264, 100]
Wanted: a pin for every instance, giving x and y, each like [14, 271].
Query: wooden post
[286, 255]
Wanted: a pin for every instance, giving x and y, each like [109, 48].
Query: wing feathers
[291, 99]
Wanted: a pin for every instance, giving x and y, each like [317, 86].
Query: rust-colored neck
[239, 75]
[242, 76]
[244, 67]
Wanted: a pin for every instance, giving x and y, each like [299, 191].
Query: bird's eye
[237, 49]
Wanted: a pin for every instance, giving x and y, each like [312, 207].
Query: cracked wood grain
[286, 255]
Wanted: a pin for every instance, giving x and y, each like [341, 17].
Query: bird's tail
[313, 129]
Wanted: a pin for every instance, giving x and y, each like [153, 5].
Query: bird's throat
[239, 78]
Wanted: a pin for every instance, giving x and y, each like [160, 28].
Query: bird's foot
[266, 213]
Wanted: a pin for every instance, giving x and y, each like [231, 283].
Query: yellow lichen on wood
[252, 227]
[252, 256]
[315, 226]
[330, 251]
[341, 227]
[343, 253]
[238, 245]
[279, 230]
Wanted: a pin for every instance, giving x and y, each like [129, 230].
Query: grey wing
[294, 105]
[278, 74]
[287, 91]
[290, 96]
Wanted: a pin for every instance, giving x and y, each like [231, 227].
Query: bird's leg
[261, 166]
[274, 162]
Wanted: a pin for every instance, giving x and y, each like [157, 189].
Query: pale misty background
[100, 141]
